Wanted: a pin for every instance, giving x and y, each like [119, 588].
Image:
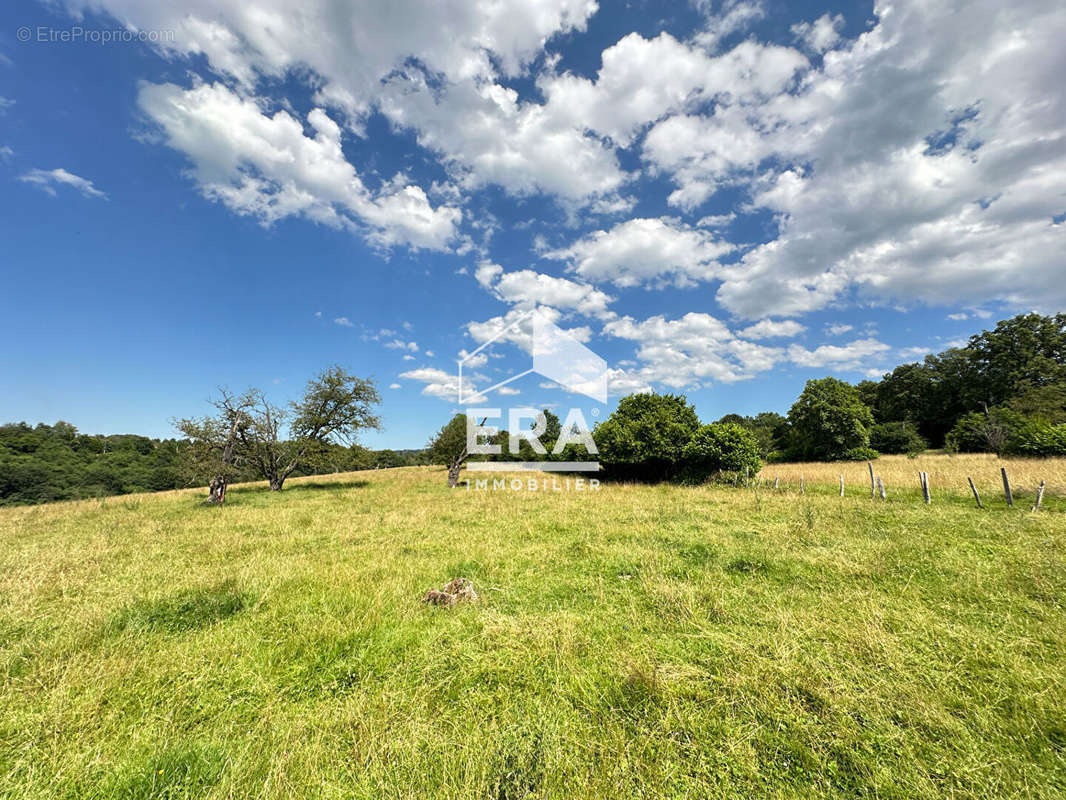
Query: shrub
[646, 435]
[1039, 439]
[897, 437]
[721, 447]
[859, 454]
[989, 432]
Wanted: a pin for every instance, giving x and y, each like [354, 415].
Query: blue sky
[724, 199]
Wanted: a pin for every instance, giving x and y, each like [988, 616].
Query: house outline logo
[556, 355]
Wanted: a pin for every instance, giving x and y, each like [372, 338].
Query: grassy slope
[638, 642]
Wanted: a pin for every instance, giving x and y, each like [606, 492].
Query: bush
[1040, 440]
[646, 435]
[897, 437]
[990, 432]
[721, 447]
[859, 454]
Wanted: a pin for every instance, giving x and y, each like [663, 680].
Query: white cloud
[838, 328]
[400, 344]
[508, 390]
[351, 47]
[645, 251]
[909, 353]
[516, 327]
[950, 201]
[6, 153]
[484, 135]
[343, 321]
[408, 357]
[734, 16]
[820, 35]
[48, 179]
[854, 356]
[263, 165]
[716, 220]
[960, 316]
[395, 386]
[773, 329]
[690, 351]
[438, 383]
[527, 289]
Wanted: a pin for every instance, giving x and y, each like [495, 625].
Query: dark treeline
[42, 463]
[1003, 392]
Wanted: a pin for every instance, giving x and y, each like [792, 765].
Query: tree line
[1003, 392]
[248, 438]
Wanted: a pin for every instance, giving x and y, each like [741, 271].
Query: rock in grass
[454, 591]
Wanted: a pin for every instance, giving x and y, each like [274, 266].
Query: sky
[722, 199]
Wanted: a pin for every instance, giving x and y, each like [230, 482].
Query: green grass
[637, 642]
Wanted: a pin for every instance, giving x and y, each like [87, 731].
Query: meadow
[638, 641]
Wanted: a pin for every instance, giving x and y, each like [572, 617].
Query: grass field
[642, 642]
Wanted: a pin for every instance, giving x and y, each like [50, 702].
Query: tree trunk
[218, 490]
[453, 473]
[276, 484]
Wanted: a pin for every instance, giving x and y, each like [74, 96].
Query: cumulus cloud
[645, 251]
[48, 179]
[264, 165]
[351, 47]
[820, 35]
[516, 327]
[953, 199]
[838, 328]
[773, 329]
[436, 382]
[694, 350]
[528, 289]
[856, 355]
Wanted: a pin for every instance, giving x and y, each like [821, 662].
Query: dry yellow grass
[947, 473]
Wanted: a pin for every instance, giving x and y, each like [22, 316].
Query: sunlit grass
[947, 475]
[639, 641]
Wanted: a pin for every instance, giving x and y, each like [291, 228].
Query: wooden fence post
[803, 488]
[976, 496]
[1039, 496]
[925, 487]
[873, 489]
[841, 485]
[1006, 487]
[881, 487]
[777, 478]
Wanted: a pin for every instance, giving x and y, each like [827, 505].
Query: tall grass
[947, 474]
[639, 641]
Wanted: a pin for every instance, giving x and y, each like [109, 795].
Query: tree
[1028, 349]
[646, 435]
[273, 441]
[828, 420]
[449, 447]
[721, 447]
[336, 406]
[211, 455]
